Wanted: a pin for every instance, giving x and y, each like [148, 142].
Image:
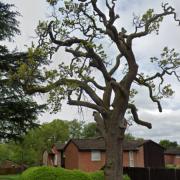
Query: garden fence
[152, 173]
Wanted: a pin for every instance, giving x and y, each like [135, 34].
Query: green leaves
[152, 24]
[167, 91]
[148, 15]
[170, 59]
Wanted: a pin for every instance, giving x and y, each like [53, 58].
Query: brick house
[172, 157]
[54, 156]
[89, 154]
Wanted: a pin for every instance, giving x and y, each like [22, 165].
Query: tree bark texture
[114, 154]
[114, 159]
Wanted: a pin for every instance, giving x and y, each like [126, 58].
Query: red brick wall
[138, 158]
[82, 160]
[172, 159]
[71, 156]
[169, 159]
[177, 160]
[126, 158]
[86, 164]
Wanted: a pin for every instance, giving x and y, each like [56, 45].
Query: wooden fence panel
[152, 173]
[162, 174]
[177, 174]
[137, 173]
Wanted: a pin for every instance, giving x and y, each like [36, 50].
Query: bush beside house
[52, 173]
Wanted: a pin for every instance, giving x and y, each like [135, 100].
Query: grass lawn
[9, 177]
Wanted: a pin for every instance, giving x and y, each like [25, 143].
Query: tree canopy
[97, 76]
[168, 144]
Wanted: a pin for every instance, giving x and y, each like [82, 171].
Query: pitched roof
[59, 146]
[99, 144]
[8, 164]
[133, 144]
[89, 144]
[173, 151]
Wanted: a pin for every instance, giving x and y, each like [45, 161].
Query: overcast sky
[166, 125]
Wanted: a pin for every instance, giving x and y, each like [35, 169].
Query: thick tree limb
[107, 95]
[119, 88]
[76, 53]
[136, 118]
[99, 12]
[96, 84]
[150, 93]
[44, 89]
[97, 62]
[113, 70]
[100, 123]
[85, 104]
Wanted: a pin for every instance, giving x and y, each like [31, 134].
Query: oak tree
[91, 76]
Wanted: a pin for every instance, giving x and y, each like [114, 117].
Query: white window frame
[131, 159]
[95, 155]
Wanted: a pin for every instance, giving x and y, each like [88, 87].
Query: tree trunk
[114, 159]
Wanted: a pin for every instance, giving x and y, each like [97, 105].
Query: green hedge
[52, 173]
[100, 176]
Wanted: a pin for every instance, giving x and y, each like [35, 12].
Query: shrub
[99, 175]
[55, 173]
[52, 173]
[170, 166]
[126, 177]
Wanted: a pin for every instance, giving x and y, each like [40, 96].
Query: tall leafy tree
[88, 78]
[18, 112]
[42, 138]
[168, 144]
[75, 129]
[90, 130]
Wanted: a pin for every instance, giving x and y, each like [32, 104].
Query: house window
[178, 156]
[131, 159]
[95, 155]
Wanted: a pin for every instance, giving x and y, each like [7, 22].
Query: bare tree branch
[100, 123]
[66, 43]
[113, 70]
[85, 104]
[99, 12]
[141, 82]
[136, 118]
[167, 11]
